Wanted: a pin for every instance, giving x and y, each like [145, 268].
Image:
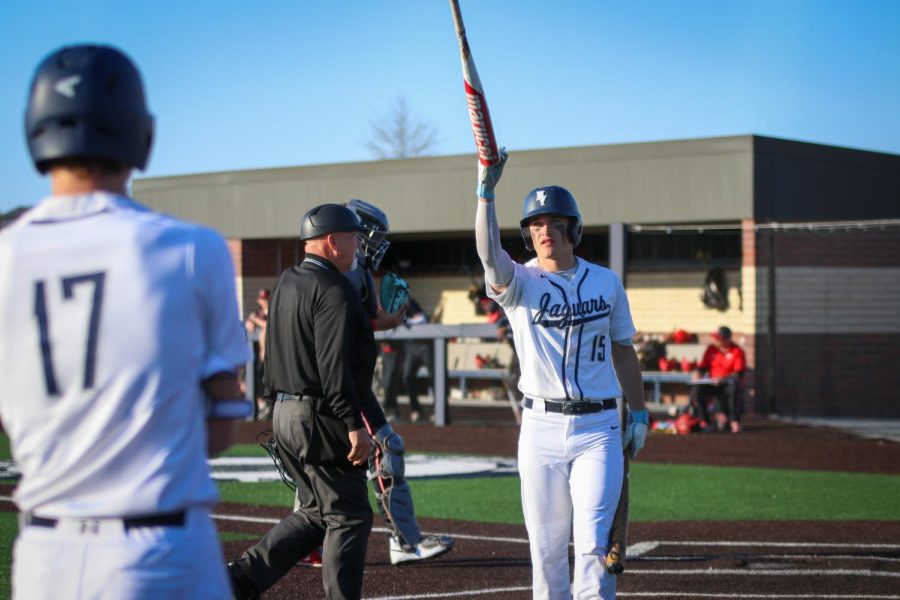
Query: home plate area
[261, 468]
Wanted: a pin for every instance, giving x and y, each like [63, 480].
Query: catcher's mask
[374, 236]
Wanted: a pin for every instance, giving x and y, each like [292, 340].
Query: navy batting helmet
[328, 218]
[376, 226]
[88, 102]
[551, 200]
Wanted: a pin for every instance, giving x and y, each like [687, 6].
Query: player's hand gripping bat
[485, 142]
[618, 532]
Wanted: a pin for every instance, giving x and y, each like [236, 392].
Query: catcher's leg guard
[386, 471]
[401, 514]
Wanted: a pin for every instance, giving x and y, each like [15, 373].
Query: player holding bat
[572, 329]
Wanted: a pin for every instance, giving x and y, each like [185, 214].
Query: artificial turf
[658, 493]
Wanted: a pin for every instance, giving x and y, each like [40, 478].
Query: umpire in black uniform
[320, 361]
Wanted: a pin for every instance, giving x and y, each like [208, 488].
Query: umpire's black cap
[328, 218]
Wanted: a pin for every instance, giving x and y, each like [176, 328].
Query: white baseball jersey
[563, 330]
[113, 315]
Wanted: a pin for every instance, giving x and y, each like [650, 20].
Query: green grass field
[659, 493]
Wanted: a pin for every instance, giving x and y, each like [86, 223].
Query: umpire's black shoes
[241, 586]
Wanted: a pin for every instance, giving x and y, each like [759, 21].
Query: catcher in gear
[387, 464]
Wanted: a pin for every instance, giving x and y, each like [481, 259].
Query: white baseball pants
[571, 469]
[88, 560]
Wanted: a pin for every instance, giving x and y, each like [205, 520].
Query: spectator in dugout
[720, 375]
[255, 323]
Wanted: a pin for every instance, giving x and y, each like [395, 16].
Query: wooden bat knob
[615, 559]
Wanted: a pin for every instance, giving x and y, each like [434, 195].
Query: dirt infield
[675, 559]
[716, 559]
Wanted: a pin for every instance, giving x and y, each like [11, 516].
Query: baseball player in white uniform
[119, 355]
[572, 329]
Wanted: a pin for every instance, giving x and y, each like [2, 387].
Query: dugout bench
[439, 334]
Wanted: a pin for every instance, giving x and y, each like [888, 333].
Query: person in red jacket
[720, 374]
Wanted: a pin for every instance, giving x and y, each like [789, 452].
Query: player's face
[549, 236]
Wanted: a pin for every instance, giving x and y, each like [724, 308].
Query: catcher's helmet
[375, 222]
[551, 200]
[328, 218]
[88, 102]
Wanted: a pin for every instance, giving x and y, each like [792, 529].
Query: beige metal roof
[697, 180]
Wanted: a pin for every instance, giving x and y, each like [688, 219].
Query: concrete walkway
[880, 429]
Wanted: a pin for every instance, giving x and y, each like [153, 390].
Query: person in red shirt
[720, 374]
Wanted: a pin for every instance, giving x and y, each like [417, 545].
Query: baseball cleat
[429, 547]
[614, 560]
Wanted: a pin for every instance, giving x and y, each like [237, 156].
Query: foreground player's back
[107, 309]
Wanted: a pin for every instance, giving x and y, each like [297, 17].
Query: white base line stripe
[505, 590]
[795, 557]
[775, 572]
[459, 536]
[766, 596]
[480, 592]
[783, 544]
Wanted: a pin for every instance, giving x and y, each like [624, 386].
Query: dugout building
[802, 239]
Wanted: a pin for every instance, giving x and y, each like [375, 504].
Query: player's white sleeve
[225, 335]
[498, 266]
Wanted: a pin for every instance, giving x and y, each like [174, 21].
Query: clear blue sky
[240, 85]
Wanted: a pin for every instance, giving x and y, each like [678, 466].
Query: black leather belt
[573, 408]
[286, 396]
[175, 519]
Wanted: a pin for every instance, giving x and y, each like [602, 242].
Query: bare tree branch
[399, 135]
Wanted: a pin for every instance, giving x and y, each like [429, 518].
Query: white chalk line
[479, 592]
[506, 590]
[771, 572]
[662, 558]
[482, 592]
[459, 536]
[784, 544]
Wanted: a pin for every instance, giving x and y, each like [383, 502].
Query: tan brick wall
[664, 302]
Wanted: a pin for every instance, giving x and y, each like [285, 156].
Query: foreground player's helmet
[88, 102]
[551, 200]
[328, 218]
[376, 226]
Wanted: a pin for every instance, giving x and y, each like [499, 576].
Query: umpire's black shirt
[318, 339]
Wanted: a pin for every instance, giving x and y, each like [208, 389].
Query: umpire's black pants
[334, 511]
